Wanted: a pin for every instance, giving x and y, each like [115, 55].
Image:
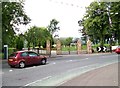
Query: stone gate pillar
[58, 46]
[78, 47]
[89, 47]
[48, 47]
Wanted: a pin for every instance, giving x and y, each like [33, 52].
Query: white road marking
[54, 63]
[38, 80]
[30, 67]
[69, 61]
[62, 83]
[10, 70]
[84, 59]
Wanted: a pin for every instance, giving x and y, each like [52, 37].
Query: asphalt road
[56, 71]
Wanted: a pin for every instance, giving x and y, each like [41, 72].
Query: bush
[11, 50]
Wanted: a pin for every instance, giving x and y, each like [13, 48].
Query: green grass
[67, 48]
[84, 47]
[73, 48]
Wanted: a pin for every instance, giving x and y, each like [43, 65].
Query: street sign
[104, 49]
[101, 49]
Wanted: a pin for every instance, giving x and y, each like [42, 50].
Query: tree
[96, 21]
[19, 42]
[13, 15]
[38, 35]
[101, 21]
[52, 28]
[68, 41]
[115, 14]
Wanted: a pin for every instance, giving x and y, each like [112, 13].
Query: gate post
[48, 47]
[58, 47]
[78, 46]
[89, 47]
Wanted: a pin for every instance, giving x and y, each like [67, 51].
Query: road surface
[57, 70]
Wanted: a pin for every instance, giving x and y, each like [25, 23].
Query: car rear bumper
[13, 63]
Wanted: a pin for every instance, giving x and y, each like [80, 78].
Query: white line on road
[54, 63]
[10, 70]
[38, 80]
[69, 61]
[62, 83]
[30, 67]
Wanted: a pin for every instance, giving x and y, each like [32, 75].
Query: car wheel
[21, 64]
[43, 61]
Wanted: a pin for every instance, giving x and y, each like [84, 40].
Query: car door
[33, 57]
[26, 58]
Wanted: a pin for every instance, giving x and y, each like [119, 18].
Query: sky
[67, 12]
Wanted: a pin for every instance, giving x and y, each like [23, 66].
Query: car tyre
[21, 65]
[43, 61]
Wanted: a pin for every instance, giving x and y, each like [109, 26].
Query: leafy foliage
[52, 28]
[37, 36]
[19, 42]
[13, 15]
[68, 41]
[96, 22]
[115, 15]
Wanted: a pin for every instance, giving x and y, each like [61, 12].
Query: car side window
[32, 54]
[24, 54]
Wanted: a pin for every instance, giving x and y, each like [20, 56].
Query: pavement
[105, 76]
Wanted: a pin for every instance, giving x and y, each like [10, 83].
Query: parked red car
[117, 50]
[24, 58]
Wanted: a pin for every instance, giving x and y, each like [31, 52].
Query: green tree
[38, 35]
[52, 28]
[68, 41]
[101, 21]
[96, 21]
[13, 15]
[115, 14]
[19, 42]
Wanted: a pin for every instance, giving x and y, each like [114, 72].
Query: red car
[24, 58]
[117, 50]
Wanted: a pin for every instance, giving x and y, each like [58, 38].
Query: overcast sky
[67, 12]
